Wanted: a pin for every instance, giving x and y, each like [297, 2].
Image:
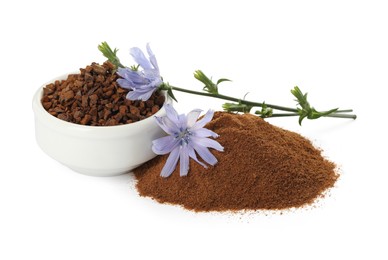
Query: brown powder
[262, 167]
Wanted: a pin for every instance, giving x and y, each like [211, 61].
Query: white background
[335, 50]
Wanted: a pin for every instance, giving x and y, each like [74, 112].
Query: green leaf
[302, 115]
[166, 86]
[236, 107]
[135, 67]
[301, 98]
[209, 84]
[265, 111]
[314, 114]
[306, 110]
[222, 80]
[171, 94]
[110, 54]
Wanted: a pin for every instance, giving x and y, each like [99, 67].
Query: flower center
[184, 136]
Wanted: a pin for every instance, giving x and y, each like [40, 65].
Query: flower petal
[140, 94]
[164, 144]
[185, 142]
[152, 57]
[173, 128]
[171, 162]
[167, 126]
[155, 82]
[194, 156]
[205, 154]
[207, 142]
[159, 121]
[122, 72]
[206, 119]
[171, 113]
[151, 75]
[204, 132]
[140, 58]
[184, 160]
[182, 122]
[192, 117]
[135, 77]
[124, 83]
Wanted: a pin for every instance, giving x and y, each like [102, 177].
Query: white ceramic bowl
[95, 150]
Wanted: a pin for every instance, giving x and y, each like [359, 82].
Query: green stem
[331, 115]
[337, 114]
[251, 103]
[283, 114]
[242, 101]
[112, 56]
[342, 116]
[344, 111]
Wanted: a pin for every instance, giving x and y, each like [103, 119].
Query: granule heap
[262, 167]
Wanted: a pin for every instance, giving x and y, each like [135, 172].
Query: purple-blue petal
[151, 75]
[184, 160]
[171, 162]
[192, 117]
[140, 58]
[159, 121]
[206, 119]
[204, 132]
[152, 57]
[173, 129]
[155, 82]
[123, 72]
[194, 156]
[205, 154]
[164, 144]
[140, 94]
[171, 113]
[182, 122]
[137, 78]
[207, 142]
[125, 83]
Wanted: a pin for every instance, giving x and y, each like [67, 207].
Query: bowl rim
[53, 121]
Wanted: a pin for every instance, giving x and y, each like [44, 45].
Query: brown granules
[93, 97]
[262, 167]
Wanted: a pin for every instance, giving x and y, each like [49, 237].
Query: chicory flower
[142, 83]
[186, 137]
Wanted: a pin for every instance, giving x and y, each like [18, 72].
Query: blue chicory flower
[142, 83]
[186, 137]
